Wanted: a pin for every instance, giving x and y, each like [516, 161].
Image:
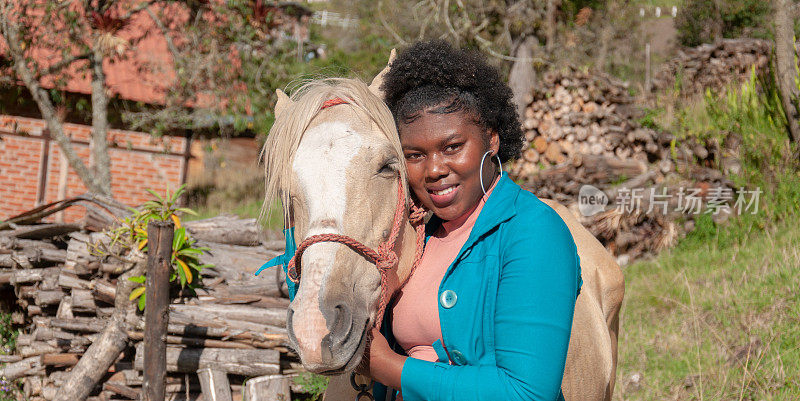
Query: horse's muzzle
[340, 349]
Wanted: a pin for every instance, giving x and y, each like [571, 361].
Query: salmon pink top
[415, 321]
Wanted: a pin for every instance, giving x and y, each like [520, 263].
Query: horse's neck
[407, 251]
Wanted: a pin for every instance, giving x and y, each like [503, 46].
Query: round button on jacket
[457, 357]
[448, 298]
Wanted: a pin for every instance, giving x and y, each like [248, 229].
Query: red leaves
[107, 22]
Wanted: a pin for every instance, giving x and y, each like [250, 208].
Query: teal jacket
[505, 308]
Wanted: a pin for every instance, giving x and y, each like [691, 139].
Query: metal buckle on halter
[363, 389]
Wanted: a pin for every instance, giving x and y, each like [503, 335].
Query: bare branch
[486, 46]
[385, 24]
[170, 44]
[446, 8]
[65, 63]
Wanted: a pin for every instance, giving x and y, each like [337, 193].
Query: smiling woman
[488, 311]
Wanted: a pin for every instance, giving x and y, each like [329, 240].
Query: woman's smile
[443, 196]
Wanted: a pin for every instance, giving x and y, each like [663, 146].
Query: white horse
[334, 158]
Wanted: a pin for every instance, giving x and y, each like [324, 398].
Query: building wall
[31, 165]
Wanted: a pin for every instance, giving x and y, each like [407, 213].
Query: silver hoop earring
[499, 163]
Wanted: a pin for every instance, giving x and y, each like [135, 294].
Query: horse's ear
[375, 86]
[283, 102]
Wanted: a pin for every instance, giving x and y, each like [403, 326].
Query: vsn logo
[591, 200]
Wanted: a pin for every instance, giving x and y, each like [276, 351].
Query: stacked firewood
[584, 128]
[714, 65]
[232, 329]
[573, 112]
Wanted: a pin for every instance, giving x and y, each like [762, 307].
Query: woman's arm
[533, 318]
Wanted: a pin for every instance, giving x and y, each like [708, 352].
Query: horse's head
[336, 170]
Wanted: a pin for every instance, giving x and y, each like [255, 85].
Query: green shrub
[131, 234]
[8, 338]
[704, 21]
[768, 159]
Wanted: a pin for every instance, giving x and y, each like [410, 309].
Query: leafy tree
[222, 53]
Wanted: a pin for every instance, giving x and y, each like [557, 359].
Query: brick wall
[30, 176]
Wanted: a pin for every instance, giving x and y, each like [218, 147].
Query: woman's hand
[385, 366]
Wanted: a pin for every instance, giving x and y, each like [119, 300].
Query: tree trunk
[606, 34]
[522, 75]
[550, 21]
[786, 70]
[11, 33]
[99, 144]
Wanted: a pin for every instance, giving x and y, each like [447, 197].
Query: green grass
[313, 384]
[689, 312]
[692, 313]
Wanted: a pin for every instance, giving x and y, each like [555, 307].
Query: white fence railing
[658, 11]
[326, 18]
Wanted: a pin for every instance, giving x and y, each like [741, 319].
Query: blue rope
[283, 259]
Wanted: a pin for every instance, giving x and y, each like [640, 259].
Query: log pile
[572, 112]
[583, 128]
[713, 66]
[234, 328]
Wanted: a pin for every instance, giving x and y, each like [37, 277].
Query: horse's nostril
[340, 327]
[342, 323]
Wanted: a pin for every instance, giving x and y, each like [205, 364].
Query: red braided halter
[384, 256]
[333, 102]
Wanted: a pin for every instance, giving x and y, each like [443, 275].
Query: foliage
[313, 384]
[285, 71]
[749, 113]
[132, 234]
[8, 390]
[8, 334]
[648, 120]
[8, 337]
[704, 21]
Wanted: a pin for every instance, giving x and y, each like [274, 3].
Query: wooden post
[647, 79]
[159, 239]
[267, 388]
[214, 384]
[299, 41]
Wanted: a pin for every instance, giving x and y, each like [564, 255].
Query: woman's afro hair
[433, 73]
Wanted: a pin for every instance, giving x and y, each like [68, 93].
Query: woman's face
[443, 156]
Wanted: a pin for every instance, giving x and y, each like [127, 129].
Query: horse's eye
[389, 167]
[386, 169]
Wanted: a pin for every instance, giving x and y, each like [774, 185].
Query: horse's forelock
[288, 130]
